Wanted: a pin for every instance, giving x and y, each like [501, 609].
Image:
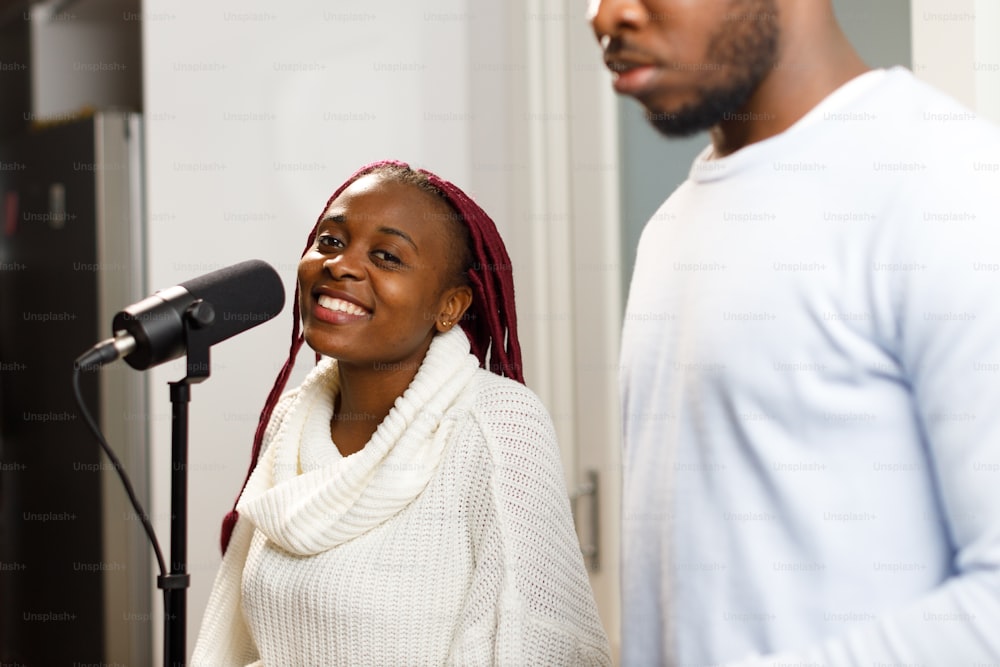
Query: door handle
[584, 502]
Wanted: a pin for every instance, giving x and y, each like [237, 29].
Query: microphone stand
[198, 316]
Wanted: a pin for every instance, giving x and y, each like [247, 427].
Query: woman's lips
[338, 311]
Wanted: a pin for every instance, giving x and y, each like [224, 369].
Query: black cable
[118, 467]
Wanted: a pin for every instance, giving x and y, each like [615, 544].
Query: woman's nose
[344, 266]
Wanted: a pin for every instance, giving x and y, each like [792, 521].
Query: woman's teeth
[331, 303]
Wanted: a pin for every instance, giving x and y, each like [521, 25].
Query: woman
[405, 506]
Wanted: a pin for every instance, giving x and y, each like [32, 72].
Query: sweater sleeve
[530, 602]
[224, 639]
[947, 312]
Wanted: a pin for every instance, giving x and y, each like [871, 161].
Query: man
[811, 352]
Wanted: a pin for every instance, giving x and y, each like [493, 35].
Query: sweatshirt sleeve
[947, 311]
[531, 602]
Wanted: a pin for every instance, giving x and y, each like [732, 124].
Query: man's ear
[454, 302]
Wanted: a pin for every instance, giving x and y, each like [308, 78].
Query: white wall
[987, 62]
[255, 112]
[955, 48]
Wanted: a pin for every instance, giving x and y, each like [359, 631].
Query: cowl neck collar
[307, 498]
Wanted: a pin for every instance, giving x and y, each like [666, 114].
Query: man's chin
[706, 110]
[685, 122]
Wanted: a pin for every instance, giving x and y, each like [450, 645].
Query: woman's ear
[454, 302]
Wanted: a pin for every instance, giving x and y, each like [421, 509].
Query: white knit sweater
[448, 539]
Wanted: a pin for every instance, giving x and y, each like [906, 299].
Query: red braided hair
[490, 322]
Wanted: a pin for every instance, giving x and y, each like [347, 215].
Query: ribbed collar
[307, 498]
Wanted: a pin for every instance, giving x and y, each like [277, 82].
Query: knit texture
[448, 539]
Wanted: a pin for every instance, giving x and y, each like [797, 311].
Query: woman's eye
[385, 256]
[328, 241]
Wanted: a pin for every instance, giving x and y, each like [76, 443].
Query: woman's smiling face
[377, 282]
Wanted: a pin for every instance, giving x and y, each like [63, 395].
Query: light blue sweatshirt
[811, 396]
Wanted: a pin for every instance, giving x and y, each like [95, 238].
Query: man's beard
[748, 50]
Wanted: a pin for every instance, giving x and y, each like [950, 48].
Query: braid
[490, 324]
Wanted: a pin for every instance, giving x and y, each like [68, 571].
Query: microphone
[221, 304]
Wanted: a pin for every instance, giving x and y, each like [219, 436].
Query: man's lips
[631, 76]
[634, 80]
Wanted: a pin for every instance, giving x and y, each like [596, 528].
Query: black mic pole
[175, 584]
[197, 317]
